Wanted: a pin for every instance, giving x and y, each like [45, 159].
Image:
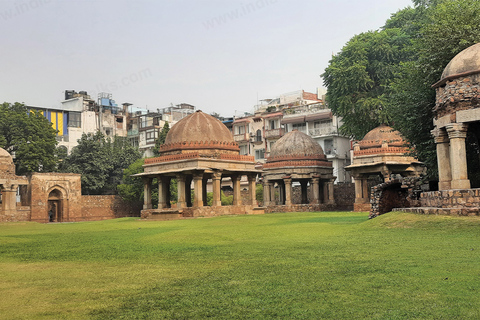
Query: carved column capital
[457, 130]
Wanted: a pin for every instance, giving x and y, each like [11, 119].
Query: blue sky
[217, 55]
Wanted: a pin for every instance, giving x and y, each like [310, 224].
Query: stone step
[472, 211]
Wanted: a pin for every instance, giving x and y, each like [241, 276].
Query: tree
[358, 76]
[29, 136]
[131, 188]
[100, 161]
[161, 139]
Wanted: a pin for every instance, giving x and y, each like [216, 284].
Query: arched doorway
[55, 206]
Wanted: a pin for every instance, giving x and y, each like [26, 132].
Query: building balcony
[257, 139]
[242, 137]
[274, 133]
[132, 132]
[323, 131]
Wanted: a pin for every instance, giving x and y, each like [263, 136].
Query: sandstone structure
[457, 112]
[297, 157]
[198, 149]
[52, 197]
[382, 152]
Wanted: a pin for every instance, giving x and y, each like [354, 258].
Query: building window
[240, 129]
[258, 135]
[272, 124]
[329, 146]
[150, 136]
[244, 150]
[259, 154]
[302, 127]
[271, 145]
[74, 119]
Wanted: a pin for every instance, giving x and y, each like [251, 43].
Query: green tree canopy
[100, 161]
[29, 136]
[161, 138]
[358, 76]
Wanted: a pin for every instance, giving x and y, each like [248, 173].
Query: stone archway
[57, 209]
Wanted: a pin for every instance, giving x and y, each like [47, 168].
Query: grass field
[330, 265]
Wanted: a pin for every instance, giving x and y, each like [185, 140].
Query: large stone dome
[382, 134]
[296, 145]
[199, 132]
[465, 63]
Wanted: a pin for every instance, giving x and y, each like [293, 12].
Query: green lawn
[330, 265]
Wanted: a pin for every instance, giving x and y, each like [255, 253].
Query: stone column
[198, 189]
[162, 191]
[147, 193]
[331, 199]
[365, 190]
[288, 191]
[237, 198]
[266, 193]
[216, 182]
[9, 198]
[181, 191]
[252, 186]
[316, 190]
[443, 158]
[457, 132]
[304, 191]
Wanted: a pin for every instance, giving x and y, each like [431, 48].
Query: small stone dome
[464, 63]
[7, 167]
[380, 135]
[5, 157]
[199, 131]
[296, 145]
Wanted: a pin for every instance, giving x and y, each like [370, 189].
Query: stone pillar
[147, 193]
[331, 199]
[316, 190]
[304, 191]
[237, 198]
[198, 189]
[163, 185]
[217, 189]
[457, 132]
[266, 193]
[252, 185]
[365, 190]
[181, 191]
[281, 193]
[9, 198]
[288, 191]
[443, 158]
[204, 191]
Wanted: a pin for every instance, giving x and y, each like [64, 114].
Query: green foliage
[131, 188]
[100, 161]
[29, 136]
[276, 266]
[259, 192]
[209, 198]
[358, 76]
[226, 200]
[161, 139]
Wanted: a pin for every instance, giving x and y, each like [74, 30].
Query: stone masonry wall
[107, 207]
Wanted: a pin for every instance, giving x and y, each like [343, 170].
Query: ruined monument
[199, 149]
[296, 157]
[381, 152]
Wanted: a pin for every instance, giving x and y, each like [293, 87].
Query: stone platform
[206, 211]
[458, 202]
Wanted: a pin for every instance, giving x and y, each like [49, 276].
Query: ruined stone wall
[207, 211]
[107, 207]
[344, 195]
[394, 194]
[459, 94]
[300, 208]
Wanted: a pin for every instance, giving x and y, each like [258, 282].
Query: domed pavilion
[296, 157]
[199, 149]
[383, 152]
[457, 111]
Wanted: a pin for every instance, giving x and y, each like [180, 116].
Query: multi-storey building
[79, 114]
[145, 126]
[299, 110]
